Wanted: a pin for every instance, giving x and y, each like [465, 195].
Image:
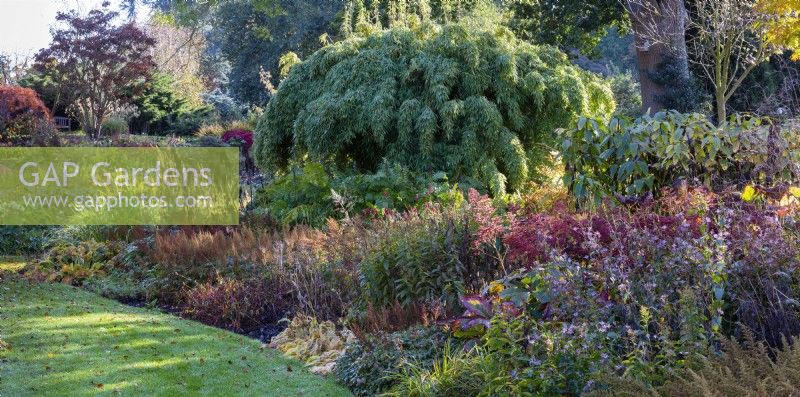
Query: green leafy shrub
[186, 123]
[425, 257]
[161, 109]
[741, 369]
[22, 240]
[367, 367]
[683, 91]
[467, 99]
[627, 94]
[309, 195]
[528, 357]
[302, 196]
[631, 157]
[395, 188]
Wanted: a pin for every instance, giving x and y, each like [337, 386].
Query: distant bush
[627, 94]
[214, 129]
[186, 123]
[241, 138]
[160, 109]
[224, 106]
[114, 126]
[42, 133]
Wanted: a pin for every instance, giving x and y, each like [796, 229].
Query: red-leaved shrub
[21, 112]
[17, 102]
[244, 138]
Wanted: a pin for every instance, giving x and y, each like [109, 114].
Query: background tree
[730, 39]
[783, 29]
[178, 52]
[568, 24]
[252, 38]
[97, 63]
[384, 14]
[659, 28]
[12, 68]
[467, 99]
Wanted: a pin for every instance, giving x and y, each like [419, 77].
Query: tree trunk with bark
[659, 28]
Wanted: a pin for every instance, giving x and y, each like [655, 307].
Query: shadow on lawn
[66, 341]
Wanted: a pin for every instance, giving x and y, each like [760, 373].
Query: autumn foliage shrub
[20, 110]
[239, 305]
[740, 257]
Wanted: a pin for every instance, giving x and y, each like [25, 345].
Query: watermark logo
[119, 186]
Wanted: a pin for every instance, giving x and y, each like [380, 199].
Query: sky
[25, 24]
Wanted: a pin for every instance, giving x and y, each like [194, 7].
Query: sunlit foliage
[468, 99]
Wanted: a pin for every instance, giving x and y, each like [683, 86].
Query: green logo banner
[119, 186]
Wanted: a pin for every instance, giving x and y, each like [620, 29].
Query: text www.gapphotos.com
[108, 203]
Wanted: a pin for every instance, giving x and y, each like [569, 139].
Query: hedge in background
[468, 99]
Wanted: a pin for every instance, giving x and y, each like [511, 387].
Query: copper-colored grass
[239, 245]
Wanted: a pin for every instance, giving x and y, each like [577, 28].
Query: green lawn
[58, 340]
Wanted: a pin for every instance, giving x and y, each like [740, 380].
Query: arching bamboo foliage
[467, 99]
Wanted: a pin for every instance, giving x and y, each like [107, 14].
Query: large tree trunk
[647, 60]
[659, 28]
